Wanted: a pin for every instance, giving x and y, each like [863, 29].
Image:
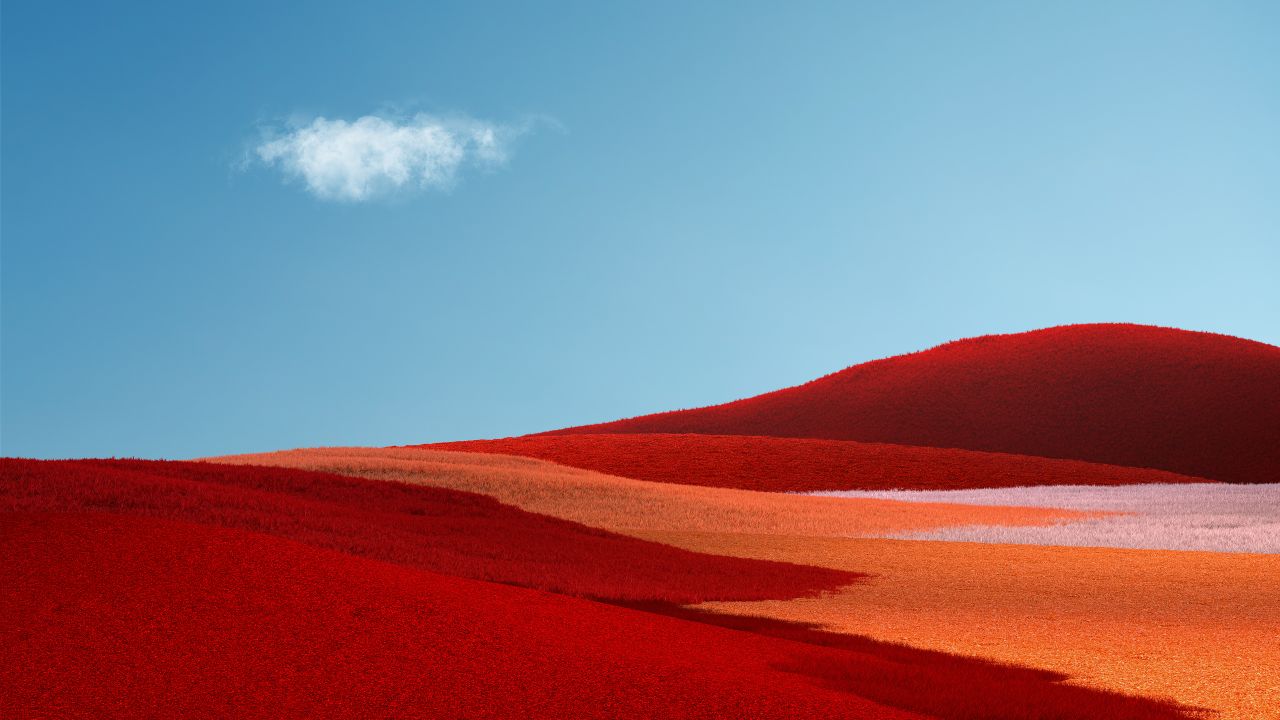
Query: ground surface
[1188, 626]
[115, 608]
[1197, 627]
[140, 617]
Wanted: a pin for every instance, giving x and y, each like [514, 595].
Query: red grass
[447, 531]
[800, 464]
[1192, 403]
[118, 616]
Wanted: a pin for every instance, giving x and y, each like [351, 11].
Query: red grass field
[447, 531]
[803, 465]
[140, 588]
[126, 616]
[1192, 403]
[141, 617]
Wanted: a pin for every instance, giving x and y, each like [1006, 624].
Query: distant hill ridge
[1193, 403]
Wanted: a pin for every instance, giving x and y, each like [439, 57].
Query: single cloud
[375, 156]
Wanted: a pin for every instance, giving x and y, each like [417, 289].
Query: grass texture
[1192, 403]
[446, 531]
[126, 616]
[1196, 627]
[133, 617]
[802, 464]
[1203, 516]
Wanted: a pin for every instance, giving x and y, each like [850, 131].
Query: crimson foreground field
[138, 617]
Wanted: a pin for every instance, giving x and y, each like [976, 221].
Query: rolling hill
[1192, 403]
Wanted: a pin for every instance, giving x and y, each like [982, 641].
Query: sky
[233, 227]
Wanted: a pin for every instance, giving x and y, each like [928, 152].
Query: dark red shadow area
[801, 464]
[1192, 403]
[110, 615]
[926, 681]
[445, 531]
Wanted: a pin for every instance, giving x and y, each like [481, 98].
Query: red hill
[1193, 403]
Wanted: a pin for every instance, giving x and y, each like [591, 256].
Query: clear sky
[556, 214]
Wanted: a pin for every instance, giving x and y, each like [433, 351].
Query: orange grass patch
[1196, 627]
[630, 506]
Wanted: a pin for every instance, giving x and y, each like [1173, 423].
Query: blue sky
[681, 204]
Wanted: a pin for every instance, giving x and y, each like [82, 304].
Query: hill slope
[448, 531]
[1193, 403]
[773, 464]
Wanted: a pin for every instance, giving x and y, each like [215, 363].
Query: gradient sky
[699, 203]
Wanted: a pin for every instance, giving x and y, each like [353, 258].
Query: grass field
[625, 571]
[1187, 626]
[116, 609]
[1191, 626]
[134, 617]
[1013, 604]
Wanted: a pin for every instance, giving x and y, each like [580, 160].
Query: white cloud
[374, 156]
